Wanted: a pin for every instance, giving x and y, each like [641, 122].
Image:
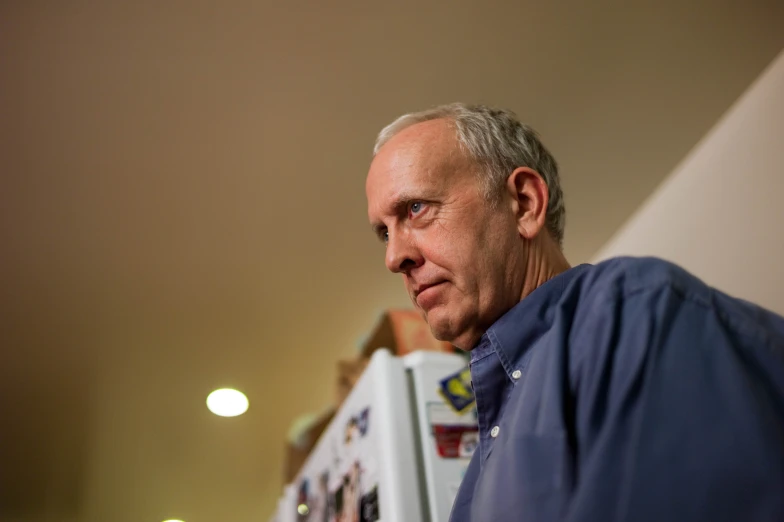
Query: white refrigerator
[396, 450]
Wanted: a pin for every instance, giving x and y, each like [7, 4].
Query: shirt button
[517, 374]
[494, 431]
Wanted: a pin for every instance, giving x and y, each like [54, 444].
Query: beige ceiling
[182, 207]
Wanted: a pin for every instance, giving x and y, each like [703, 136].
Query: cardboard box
[400, 331]
[403, 332]
[349, 371]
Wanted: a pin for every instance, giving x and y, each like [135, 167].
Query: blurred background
[182, 207]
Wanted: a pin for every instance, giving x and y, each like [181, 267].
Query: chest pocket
[523, 478]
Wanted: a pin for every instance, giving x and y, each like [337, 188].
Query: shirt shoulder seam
[744, 328]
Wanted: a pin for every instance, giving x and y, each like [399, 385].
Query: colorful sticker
[469, 441]
[457, 391]
[347, 490]
[368, 507]
[455, 435]
[357, 426]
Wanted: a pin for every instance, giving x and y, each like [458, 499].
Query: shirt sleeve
[675, 417]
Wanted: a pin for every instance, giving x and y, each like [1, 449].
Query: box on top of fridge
[403, 332]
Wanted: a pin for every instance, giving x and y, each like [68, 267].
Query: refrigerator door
[446, 425]
[287, 506]
[279, 515]
[364, 466]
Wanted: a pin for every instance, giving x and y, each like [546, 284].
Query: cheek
[465, 251]
[437, 246]
[459, 255]
[493, 245]
[436, 243]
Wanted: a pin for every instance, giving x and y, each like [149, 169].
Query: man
[624, 391]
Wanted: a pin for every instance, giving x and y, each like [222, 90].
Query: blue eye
[416, 207]
[385, 237]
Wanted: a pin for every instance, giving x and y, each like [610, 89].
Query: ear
[530, 197]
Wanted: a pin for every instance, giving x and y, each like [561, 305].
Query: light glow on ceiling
[227, 402]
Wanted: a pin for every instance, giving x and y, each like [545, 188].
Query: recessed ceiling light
[227, 402]
[172, 520]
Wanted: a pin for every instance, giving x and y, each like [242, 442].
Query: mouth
[418, 290]
[424, 296]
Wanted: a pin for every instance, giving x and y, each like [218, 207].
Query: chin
[443, 324]
[453, 326]
[436, 320]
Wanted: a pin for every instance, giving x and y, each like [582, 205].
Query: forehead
[422, 160]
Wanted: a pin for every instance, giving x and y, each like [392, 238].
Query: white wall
[720, 214]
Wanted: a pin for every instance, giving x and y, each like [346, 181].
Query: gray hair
[496, 140]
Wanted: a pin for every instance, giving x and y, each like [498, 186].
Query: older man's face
[459, 256]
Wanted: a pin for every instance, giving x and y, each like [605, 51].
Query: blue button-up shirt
[628, 391]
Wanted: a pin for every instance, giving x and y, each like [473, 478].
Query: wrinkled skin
[464, 260]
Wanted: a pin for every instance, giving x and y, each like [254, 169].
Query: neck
[545, 261]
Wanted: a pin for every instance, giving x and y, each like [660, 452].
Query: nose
[402, 253]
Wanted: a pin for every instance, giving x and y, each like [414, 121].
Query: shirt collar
[515, 332]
